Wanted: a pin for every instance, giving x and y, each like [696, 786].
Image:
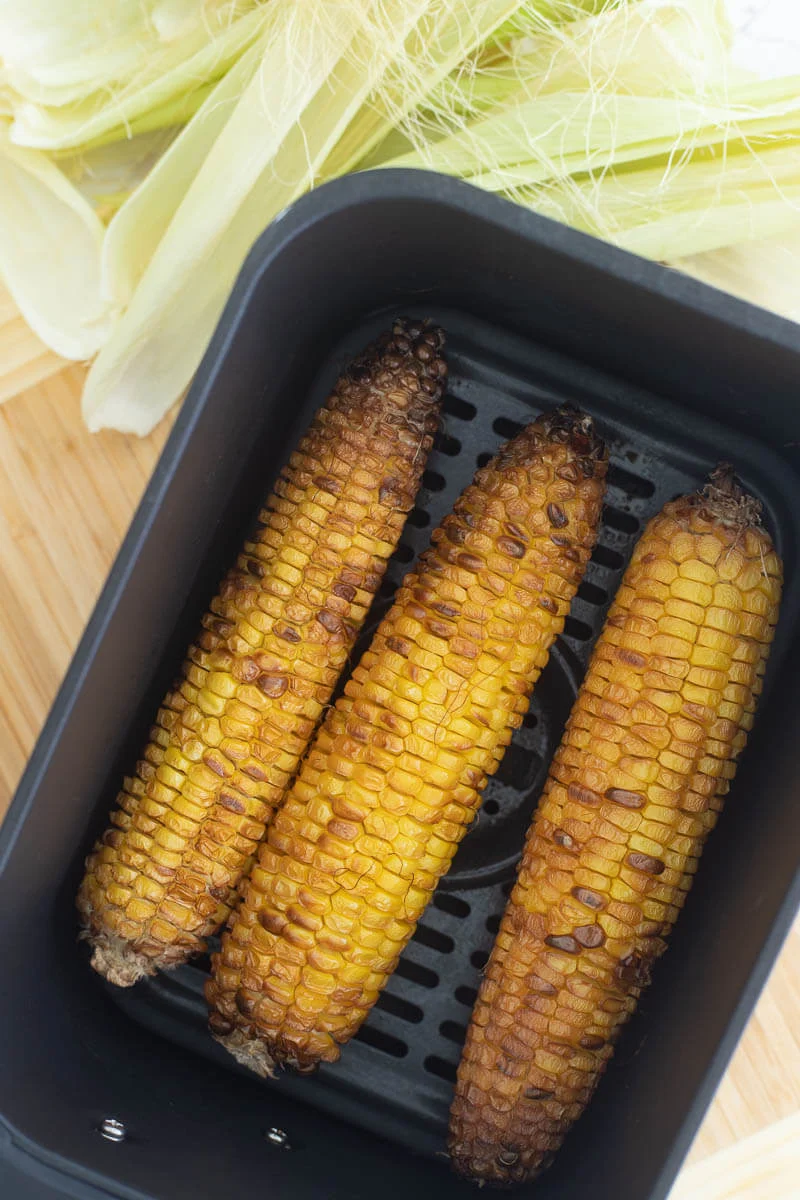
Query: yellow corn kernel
[231, 734]
[534, 512]
[629, 873]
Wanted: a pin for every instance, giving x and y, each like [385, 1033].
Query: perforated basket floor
[396, 1077]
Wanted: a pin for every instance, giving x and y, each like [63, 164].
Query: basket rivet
[112, 1130]
[278, 1137]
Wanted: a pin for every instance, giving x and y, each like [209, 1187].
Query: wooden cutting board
[66, 499]
[24, 359]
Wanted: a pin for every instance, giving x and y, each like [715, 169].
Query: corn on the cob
[396, 772]
[635, 787]
[230, 734]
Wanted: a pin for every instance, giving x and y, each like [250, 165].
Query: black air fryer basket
[678, 377]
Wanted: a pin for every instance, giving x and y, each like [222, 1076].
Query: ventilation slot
[490, 807]
[453, 1032]
[479, 959]
[493, 923]
[632, 485]
[453, 905]
[445, 443]
[434, 940]
[419, 518]
[380, 1040]
[404, 553]
[404, 1010]
[518, 767]
[576, 629]
[604, 556]
[621, 521]
[415, 973]
[593, 594]
[484, 458]
[441, 1067]
[454, 406]
[433, 481]
[466, 995]
[507, 428]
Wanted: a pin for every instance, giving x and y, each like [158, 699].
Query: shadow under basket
[123, 1093]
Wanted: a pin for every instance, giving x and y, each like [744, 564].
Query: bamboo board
[66, 498]
[24, 359]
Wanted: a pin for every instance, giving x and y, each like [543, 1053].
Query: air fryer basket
[397, 1078]
[678, 378]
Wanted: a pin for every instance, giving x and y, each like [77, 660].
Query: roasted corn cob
[634, 789]
[230, 734]
[395, 774]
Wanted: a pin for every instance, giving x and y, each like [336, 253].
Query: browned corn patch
[635, 787]
[395, 774]
[229, 736]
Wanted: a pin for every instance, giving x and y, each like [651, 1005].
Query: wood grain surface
[24, 359]
[66, 498]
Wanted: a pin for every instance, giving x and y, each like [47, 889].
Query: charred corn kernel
[624, 848]
[231, 733]
[514, 550]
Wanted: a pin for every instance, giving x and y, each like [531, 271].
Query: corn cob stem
[396, 772]
[635, 787]
[230, 734]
